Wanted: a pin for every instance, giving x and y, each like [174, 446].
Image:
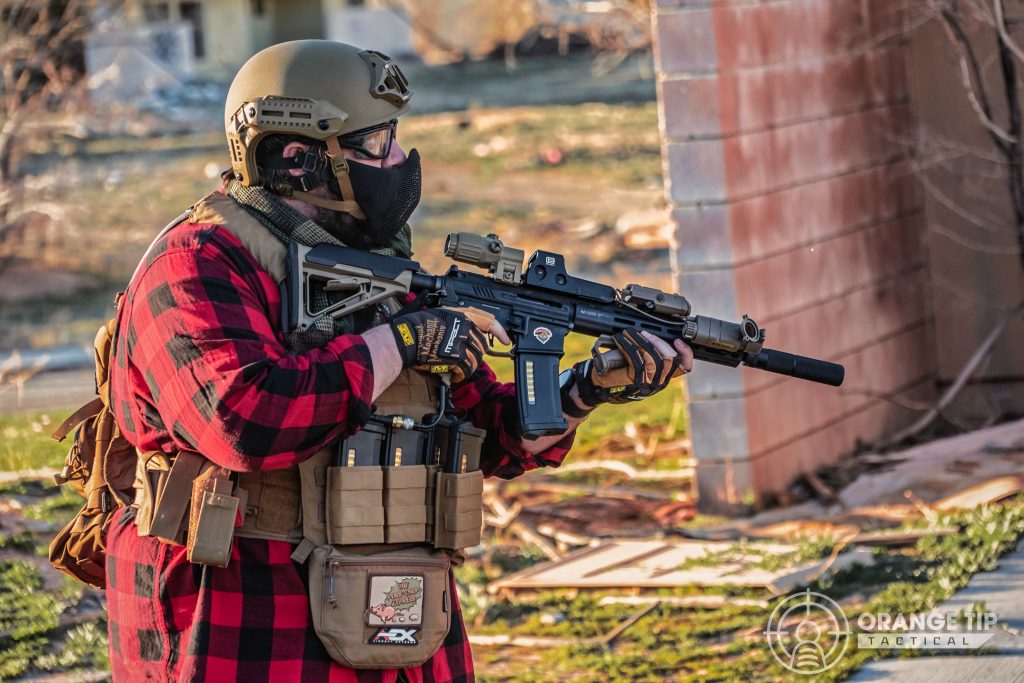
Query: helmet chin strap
[339, 166]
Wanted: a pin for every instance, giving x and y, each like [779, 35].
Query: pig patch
[395, 601]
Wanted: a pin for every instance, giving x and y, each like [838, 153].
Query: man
[203, 367]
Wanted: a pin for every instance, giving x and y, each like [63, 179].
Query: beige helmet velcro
[317, 89]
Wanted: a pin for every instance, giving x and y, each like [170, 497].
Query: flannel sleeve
[201, 336]
[491, 405]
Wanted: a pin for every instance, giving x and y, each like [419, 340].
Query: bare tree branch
[969, 68]
[965, 374]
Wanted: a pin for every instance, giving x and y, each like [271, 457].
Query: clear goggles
[373, 142]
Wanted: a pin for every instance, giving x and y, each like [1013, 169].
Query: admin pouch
[380, 610]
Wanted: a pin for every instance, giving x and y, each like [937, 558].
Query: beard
[345, 227]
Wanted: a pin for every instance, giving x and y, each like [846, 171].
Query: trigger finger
[498, 331]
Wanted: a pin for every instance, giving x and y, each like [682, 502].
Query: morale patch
[542, 334]
[406, 334]
[395, 636]
[395, 600]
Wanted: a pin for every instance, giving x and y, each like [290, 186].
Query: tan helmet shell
[314, 88]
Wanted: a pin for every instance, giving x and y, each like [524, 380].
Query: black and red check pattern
[201, 363]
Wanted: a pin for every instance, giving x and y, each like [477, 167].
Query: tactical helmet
[317, 89]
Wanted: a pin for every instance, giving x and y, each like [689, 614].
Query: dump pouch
[380, 611]
[458, 509]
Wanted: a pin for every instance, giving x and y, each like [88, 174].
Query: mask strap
[339, 165]
[332, 204]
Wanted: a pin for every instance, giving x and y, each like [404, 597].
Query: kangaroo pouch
[380, 611]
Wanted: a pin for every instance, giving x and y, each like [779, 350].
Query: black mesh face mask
[388, 196]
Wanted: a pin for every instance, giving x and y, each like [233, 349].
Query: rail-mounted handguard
[537, 305]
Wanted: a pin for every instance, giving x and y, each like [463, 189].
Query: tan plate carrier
[312, 504]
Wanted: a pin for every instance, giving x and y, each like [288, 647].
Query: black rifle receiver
[537, 305]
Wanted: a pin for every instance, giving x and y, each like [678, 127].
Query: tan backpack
[100, 466]
[101, 463]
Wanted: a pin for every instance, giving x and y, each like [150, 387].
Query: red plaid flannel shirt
[200, 363]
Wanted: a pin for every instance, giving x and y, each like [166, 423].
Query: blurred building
[228, 32]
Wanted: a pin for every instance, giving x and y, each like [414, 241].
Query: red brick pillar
[784, 127]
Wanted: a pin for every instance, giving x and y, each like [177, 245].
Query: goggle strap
[307, 161]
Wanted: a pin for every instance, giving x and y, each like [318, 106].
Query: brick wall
[785, 125]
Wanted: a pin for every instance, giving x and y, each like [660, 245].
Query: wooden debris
[698, 601]
[530, 535]
[503, 515]
[991, 491]
[626, 470]
[821, 489]
[565, 537]
[668, 564]
[900, 538]
[671, 514]
[617, 492]
[485, 640]
[923, 469]
[609, 639]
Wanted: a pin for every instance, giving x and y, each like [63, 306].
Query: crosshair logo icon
[808, 633]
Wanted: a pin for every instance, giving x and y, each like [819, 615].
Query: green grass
[616, 142]
[25, 441]
[725, 644]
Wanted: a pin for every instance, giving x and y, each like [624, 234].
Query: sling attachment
[303, 550]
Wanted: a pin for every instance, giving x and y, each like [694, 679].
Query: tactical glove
[646, 372]
[438, 341]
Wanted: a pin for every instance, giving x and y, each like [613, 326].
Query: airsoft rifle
[537, 306]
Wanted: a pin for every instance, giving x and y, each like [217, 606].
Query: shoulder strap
[166, 229]
[88, 410]
[264, 246]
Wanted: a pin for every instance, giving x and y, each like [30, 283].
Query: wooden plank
[635, 564]
[991, 491]
[705, 601]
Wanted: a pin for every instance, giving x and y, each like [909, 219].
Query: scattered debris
[699, 601]
[606, 641]
[900, 537]
[991, 491]
[631, 472]
[669, 564]
[925, 469]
